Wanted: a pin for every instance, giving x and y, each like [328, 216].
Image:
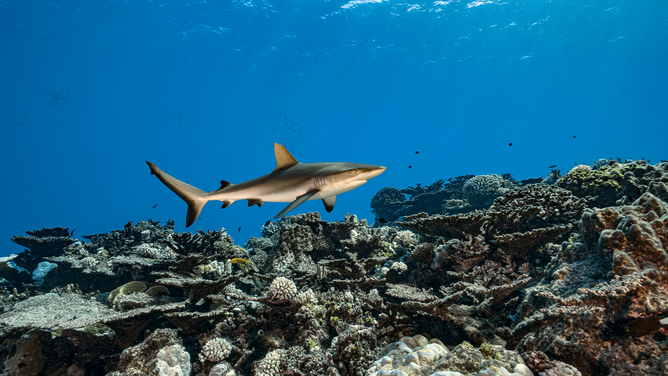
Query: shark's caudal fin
[191, 195]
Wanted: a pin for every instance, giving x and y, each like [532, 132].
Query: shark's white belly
[330, 190]
[267, 193]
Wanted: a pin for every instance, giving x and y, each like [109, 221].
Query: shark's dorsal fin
[283, 157]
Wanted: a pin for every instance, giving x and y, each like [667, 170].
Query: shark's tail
[194, 197]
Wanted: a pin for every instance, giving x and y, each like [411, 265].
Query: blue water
[92, 89]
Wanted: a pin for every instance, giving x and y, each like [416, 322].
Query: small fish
[239, 229]
[417, 152]
[239, 261]
[553, 166]
[382, 220]
[155, 206]
[663, 160]
[411, 166]
[510, 144]
[645, 325]
[573, 136]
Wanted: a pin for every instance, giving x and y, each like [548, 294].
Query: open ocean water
[92, 89]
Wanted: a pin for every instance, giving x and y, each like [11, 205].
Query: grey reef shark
[290, 181]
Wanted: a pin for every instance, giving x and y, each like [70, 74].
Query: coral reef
[390, 203]
[624, 182]
[495, 277]
[480, 191]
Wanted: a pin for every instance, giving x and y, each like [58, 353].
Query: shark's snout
[377, 171]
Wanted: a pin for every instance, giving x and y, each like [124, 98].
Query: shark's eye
[357, 172]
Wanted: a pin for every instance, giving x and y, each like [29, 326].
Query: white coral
[306, 297]
[282, 264]
[270, 365]
[560, 369]
[147, 250]
[172, 361]
[215, 350]
[282, 288]
[218, 268]
[399, 267]
[89, 262]
[406, 239]
[582, 167]
[219, 369]
[520, 370]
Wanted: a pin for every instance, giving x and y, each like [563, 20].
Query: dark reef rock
[448, 226]
[574, 276]
[389, 204]
[519, 222]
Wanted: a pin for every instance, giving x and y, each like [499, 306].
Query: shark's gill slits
[320, 181]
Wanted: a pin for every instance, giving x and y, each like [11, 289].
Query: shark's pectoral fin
[300, 200]
[255, 201]
[329, 203]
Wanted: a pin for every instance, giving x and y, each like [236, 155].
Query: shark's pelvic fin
[191, 195]
[300, 200]
[283, 157]
[226, 203]
[329, 203]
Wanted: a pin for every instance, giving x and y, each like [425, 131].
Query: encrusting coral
[545, 270]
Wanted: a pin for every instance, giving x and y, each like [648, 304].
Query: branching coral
[462, 256]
